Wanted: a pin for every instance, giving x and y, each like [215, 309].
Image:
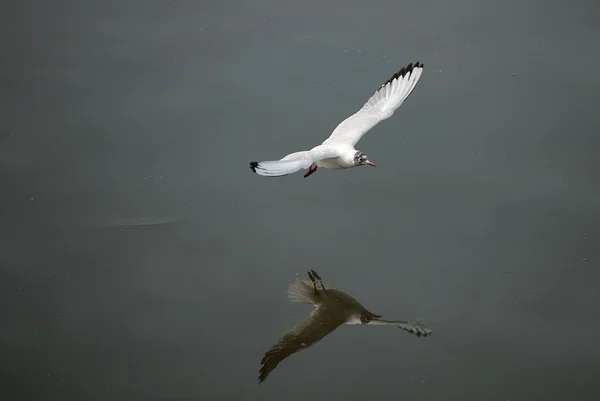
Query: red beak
[370, 164]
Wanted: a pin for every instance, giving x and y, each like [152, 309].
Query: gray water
[141, 259]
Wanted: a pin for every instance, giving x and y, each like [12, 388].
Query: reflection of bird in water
[332, 309]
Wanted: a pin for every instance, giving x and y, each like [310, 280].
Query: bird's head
[360, 159]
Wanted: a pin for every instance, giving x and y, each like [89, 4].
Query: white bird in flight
[332, 309]
[337, 152]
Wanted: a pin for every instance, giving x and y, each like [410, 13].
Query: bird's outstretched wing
[320, 323]
[292, 162]
[379, 107]
[415, 328]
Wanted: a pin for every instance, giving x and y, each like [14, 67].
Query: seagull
[337, 152]
[332, 309]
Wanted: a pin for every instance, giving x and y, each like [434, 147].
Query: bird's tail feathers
[302, 291]
[415, 328]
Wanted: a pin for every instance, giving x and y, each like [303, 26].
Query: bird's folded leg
[311, 169]
[314, 276]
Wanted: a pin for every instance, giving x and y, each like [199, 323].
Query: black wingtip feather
[253, 166]
[403, 71]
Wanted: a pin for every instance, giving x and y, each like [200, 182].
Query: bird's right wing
[415, 328]
[379, 107]
[292, 162]
[318, 325]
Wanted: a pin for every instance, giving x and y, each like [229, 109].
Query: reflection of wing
[415, 328]
[320, 323]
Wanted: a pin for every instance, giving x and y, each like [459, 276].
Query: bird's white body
[344, 160]
[338, 151]
[353, 320]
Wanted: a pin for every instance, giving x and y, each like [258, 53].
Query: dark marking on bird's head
[360, 159]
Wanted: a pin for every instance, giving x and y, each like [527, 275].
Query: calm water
[141, 259]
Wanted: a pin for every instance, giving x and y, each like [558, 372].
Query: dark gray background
[141, 259]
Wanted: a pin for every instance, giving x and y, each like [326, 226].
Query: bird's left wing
[292, 162]
[320, 323]
[379, 107]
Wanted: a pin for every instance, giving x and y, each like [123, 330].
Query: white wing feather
[292, 162]
[379, 107]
